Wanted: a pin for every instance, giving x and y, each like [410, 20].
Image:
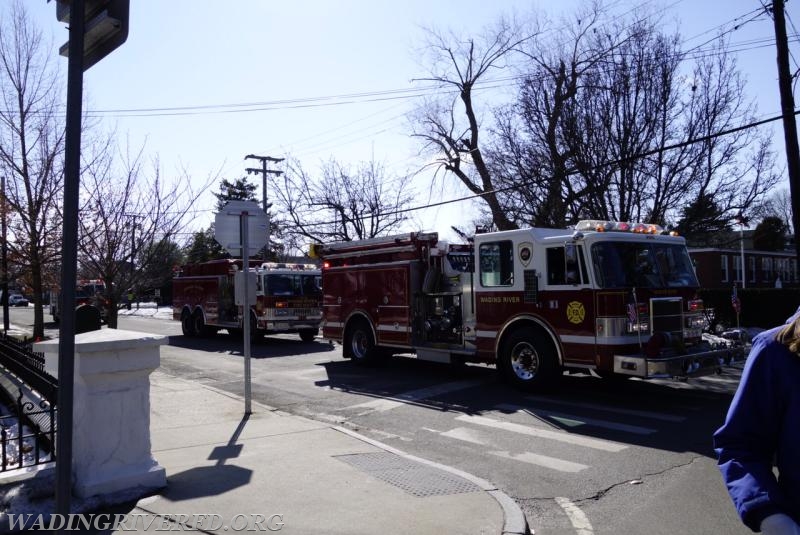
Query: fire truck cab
[88, 292]
[616, 298]
[208, 297]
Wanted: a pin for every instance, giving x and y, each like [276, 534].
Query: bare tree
[450, 125]
[31, 145]
[532, 154]
[607, 127]
[125, 213]
[778, 204]
[343, 204]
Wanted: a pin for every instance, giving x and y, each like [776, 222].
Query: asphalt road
[592, 457]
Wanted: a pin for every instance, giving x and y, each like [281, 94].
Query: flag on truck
[737, 305]
[633, 308]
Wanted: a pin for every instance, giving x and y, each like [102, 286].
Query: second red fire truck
[207, 297]
[616, 298]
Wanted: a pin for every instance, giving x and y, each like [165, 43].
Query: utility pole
[133, 226]
[4, 260]
[264, 171]
[787, 110]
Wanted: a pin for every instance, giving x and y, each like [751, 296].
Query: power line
[573, 172]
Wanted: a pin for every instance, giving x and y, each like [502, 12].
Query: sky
[202, 84]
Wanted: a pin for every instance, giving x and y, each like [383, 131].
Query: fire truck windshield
[642, 265]
[292, 285]
[89, 290]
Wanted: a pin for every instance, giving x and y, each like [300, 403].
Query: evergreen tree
[238, 190]
[770, 234]
[703, 221]
[204, 247]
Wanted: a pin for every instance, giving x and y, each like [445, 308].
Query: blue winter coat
[763, 424]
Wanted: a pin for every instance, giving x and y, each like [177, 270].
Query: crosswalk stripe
[560, 436]
[391, 402]
[542, 460]
[665, 417]
[467, 435]
[573, 420]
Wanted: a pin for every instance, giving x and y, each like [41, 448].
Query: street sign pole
[240, 227]
[246, 314]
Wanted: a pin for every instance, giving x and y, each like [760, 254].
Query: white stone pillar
[111, 449]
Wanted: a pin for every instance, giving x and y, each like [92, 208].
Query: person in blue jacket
[762, 428]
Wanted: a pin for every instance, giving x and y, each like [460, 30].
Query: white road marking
[560, 436]
[619, 410]
[389, 403]
[468, 435]
[573, 420]
[576, 517]
[542, 460]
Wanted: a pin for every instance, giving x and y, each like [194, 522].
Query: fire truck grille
[282, 313]
[666, 315]
[531, 286]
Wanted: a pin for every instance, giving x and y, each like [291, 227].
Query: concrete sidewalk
[279, 472]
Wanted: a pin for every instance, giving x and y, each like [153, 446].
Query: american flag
[633, 308]
[632, 313]
[737, 305]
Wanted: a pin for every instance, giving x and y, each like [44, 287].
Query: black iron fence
[28, 410]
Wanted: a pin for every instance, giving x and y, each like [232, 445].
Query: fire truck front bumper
[681, 366]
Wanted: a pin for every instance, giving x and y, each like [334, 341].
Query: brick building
[720, 267]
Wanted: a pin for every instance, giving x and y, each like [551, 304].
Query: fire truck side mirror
[571, 263]
[315, 250]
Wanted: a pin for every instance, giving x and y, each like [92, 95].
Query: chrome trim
[677, 366]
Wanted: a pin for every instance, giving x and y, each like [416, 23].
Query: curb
[514, 521]
[513, 517]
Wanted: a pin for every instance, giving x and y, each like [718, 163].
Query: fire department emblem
[525, 253]
[575, 312]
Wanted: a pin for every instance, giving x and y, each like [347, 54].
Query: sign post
[241, 226]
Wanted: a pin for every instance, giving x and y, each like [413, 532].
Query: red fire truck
[209, 296]
[87, 292]
[616, 298]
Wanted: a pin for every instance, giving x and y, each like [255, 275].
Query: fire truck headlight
[695, 321]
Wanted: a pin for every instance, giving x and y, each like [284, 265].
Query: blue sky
[297, 57]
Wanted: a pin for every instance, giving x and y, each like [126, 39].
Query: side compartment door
[338, 287]
[394, 306]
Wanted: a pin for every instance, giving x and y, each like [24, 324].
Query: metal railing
[28, 412]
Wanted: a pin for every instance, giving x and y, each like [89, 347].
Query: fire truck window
[310, 286]
[497, 263]
[556, 266]
[618, 264]
[281, 285]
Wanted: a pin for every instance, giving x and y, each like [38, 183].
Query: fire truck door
[394, 306]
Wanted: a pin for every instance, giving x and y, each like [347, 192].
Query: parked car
[16, 300]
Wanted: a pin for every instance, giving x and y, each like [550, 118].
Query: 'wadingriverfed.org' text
[145, 521]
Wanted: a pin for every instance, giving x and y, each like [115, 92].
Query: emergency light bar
[621, 226]
[293, 267]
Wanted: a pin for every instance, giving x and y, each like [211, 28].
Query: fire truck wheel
[359, 344]
[528, 360]
[199, 324]
[187, 324]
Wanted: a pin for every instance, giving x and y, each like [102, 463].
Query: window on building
[737, 268]
[766, 269]
[497, 263]
[724, 267]
[751, 265]
[793, 270]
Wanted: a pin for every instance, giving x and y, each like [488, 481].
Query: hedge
[760, 307]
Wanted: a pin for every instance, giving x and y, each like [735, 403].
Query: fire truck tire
[359, 344]
[528, 360]
[308, 335]
[200, 327]
[187, 324]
